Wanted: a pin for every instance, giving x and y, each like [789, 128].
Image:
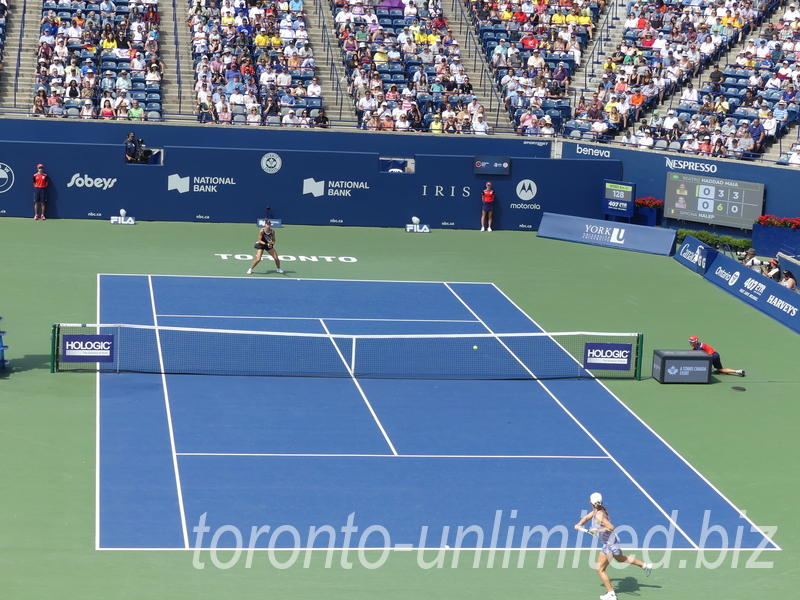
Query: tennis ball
[474, 347]
[415, 220]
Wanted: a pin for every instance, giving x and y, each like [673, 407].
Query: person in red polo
[487, 198]
[40, 183]
[715, 360]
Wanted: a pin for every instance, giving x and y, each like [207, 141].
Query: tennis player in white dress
[602, 528]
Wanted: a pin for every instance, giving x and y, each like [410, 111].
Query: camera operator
[131, 149]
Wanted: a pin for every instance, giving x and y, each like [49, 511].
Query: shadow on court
[29, 362]
[630, 586]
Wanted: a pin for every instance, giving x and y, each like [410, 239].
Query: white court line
[293, 279]
[579, 424]
[407, 547]
[97, 439]
[325, 318]
[360, 391]
[391, 455]
[742, 514]
[169, 417]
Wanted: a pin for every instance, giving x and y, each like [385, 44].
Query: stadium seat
[154, 115]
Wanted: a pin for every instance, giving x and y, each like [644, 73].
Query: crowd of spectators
[98, 61]
[534, 48]
[404, 69]
[254, 65]
[735, 112]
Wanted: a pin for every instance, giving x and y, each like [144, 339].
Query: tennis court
[399, 453]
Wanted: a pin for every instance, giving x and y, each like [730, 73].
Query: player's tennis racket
[593, 532]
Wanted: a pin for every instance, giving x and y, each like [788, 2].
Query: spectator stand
[751, 88]
[258, 66]
[414, 85]
[107, 49]
[680, 53]
[3, 348]
[535, 50]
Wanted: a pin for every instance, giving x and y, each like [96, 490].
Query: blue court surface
[492, 457]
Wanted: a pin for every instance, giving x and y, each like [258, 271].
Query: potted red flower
[647, 211]
[771, 233]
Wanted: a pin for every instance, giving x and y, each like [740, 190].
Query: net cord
[353, 337]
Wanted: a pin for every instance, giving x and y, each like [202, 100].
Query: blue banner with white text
[755, 289]
[301, 186]
[695, 255]
[621, 236]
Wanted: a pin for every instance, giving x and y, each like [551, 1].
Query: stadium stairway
[16, 92]
[177, 100]
[338, 106]
[589, 75]
[465, 33]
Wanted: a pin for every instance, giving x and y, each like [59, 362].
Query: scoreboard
[724, 202]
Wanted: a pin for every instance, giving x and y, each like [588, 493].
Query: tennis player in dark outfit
[266, 241]
[40, 183]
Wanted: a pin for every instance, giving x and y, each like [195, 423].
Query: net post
[53, 344]
[639, 353]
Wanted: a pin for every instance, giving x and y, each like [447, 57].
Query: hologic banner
[613, 357]
[695, 254]
[757, 290]
[87, 348]
[623, 236]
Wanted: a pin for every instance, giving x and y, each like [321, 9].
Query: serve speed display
[618, 198]
[704, 199]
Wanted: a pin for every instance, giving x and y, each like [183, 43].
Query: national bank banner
[755, 289]
[694, 254]
[611, 234]
[301, 186]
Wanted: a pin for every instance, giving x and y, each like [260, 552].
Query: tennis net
[182, 350]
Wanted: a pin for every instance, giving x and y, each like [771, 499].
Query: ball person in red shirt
[487, 198]
[715, 361]
[40, 183]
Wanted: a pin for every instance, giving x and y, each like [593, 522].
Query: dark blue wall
[648, 170]
[212, 136]
[235, 184]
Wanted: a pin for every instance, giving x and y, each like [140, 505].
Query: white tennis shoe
[612, 595]
[647, 568]
[488, 229]
[249, 271]
[483, 228]
[280, 270]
